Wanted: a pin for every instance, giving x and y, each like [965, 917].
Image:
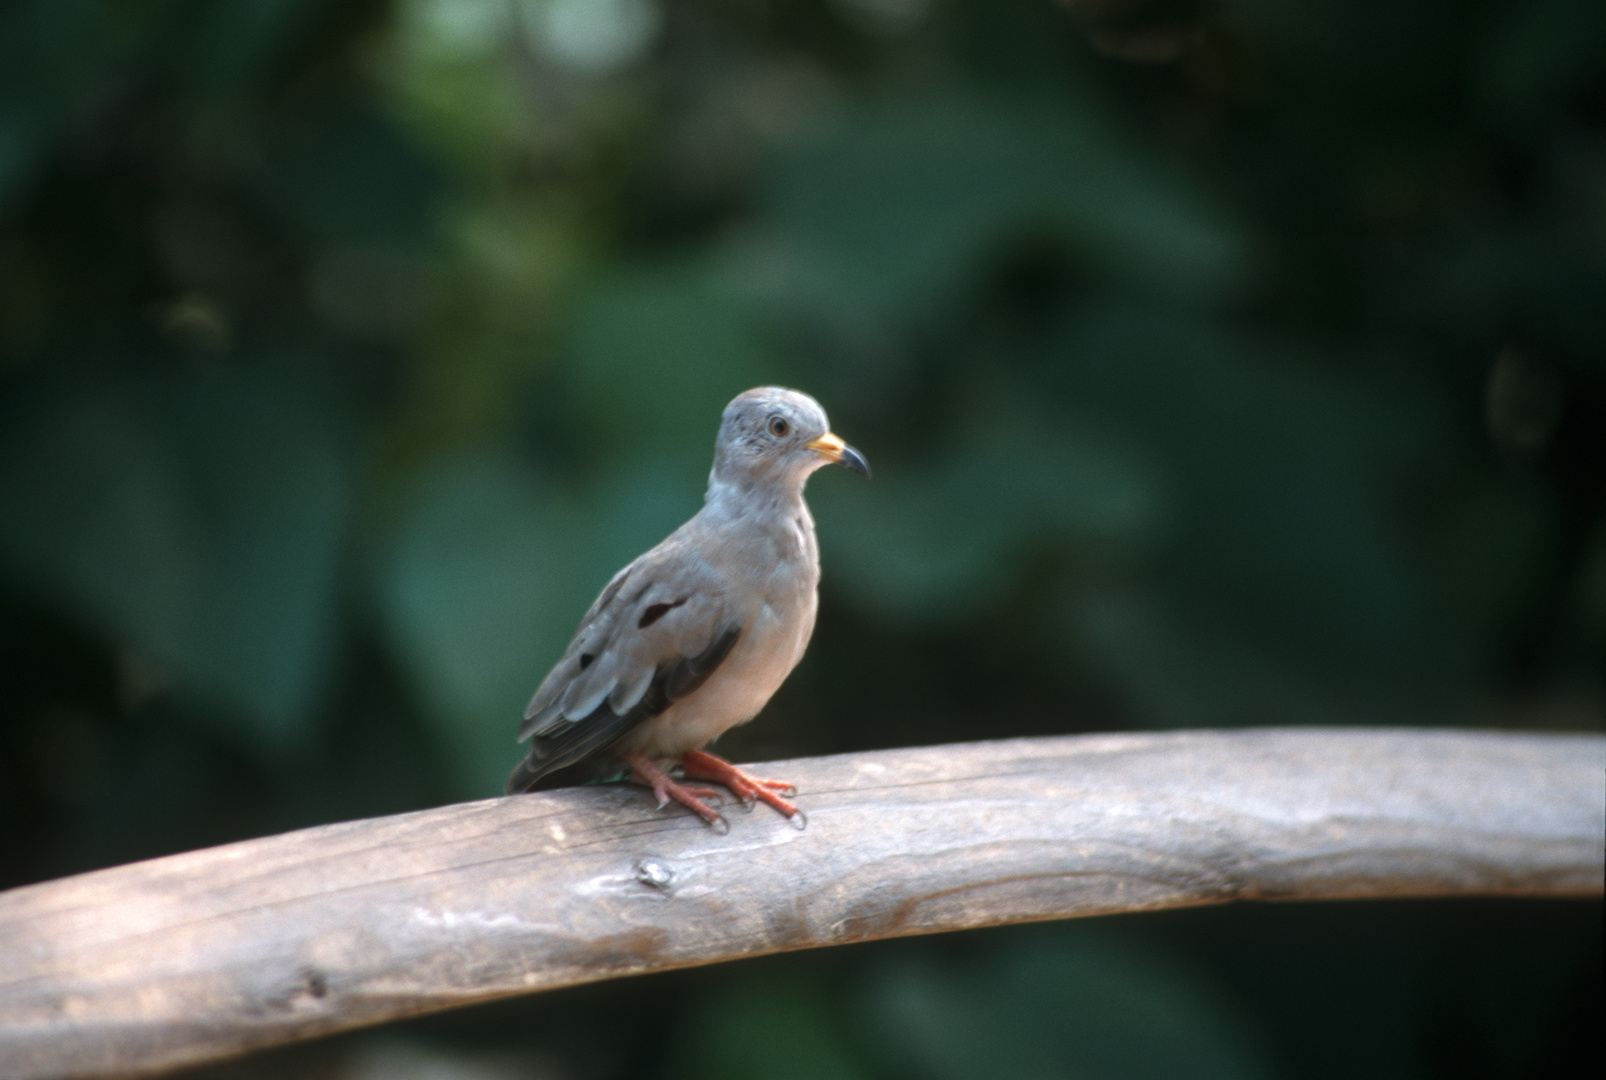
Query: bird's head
[778, 436]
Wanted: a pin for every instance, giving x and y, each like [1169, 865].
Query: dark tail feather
[524, 777]
[543, 774]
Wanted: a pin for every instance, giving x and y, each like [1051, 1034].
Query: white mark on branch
[663, 880]
[453, 920]
[778, 832]
[604, 885]
[654, 872]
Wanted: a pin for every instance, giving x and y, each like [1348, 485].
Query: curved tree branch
[193, 957]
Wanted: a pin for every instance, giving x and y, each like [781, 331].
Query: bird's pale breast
[772, 642]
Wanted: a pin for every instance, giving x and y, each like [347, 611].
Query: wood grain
[142, 968]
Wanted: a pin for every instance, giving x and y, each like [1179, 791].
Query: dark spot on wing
[585, 660]
[655, 612]
[687, 674]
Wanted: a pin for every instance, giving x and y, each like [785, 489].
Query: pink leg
[665, 788]
[701, 765]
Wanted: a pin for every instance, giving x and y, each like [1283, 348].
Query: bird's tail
[525, 775]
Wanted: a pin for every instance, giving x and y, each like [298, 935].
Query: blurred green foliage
[1221, 363]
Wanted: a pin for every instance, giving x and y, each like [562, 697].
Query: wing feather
[574, 742]
[659, 629]
[595, 628]
[626, 694]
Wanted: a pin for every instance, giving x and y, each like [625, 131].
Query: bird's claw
[697, 765]
[700, 765]
[667, 795]
[666, 789]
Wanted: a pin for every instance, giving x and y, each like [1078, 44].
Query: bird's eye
[779, 427]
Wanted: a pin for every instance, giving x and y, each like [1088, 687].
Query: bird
[693, 637]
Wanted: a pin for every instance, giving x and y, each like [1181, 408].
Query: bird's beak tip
[832, 448]
[854, 460]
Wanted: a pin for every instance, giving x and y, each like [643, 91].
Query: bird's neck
[745, 494]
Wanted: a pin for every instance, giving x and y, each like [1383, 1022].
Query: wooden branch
[141, 968]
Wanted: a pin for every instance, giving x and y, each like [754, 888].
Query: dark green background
[1221, 364]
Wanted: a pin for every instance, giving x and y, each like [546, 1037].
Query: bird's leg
[701, 765]
[664, 788]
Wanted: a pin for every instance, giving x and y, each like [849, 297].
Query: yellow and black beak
[832, 448]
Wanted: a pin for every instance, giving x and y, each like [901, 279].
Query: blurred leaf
[1077, 1003]
[487, 577]
[447, 63]
[199, 519]
[481, 589]
[944, 542]
[237, 46]
[1283, 531]
[346, 173]
[1483, 282]
[1541, 51]
[1183, 669]
[910, 199]
[19, 147]
[655, 353]
[783, 1028]
[57, 65]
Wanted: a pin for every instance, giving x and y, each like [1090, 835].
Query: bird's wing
[658, 630]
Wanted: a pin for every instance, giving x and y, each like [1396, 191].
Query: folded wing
[651, 638]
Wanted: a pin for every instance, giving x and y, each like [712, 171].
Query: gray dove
[693, 637]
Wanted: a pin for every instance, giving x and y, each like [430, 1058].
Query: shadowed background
[1220, 363]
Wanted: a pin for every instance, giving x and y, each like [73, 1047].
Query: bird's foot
[700, 765]
[665, 788]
